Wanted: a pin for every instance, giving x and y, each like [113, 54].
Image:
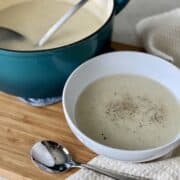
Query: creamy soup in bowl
[125, 106]
[128, 112]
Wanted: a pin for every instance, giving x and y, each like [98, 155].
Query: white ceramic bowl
[119, 63]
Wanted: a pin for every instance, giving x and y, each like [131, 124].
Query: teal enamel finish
[42, 74]
[119, 5]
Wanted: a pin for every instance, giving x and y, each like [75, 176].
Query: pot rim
[65, 46]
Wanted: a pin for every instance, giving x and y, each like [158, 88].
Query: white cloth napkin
[160, 35]
[167, 168]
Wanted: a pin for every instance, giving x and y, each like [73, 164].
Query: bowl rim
[68, 45]
[73, 126]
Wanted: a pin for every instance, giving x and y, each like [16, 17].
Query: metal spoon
[61, 22]
[53, 157]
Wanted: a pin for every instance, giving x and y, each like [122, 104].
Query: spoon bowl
[6, 33]
[51, 156]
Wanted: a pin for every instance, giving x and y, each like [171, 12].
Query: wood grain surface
[22, 125]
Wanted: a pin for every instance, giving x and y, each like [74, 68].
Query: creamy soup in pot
[128, 112]
[34, 17]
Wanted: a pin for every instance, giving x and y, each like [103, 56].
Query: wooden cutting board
[22, 125]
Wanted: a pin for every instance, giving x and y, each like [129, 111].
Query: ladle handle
[122, 176]
[61, 22]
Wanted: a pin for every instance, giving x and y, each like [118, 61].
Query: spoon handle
[122, 176]
[60, 22]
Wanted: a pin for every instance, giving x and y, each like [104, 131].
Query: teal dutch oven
[42, 74]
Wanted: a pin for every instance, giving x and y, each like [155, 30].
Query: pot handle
[119, 5]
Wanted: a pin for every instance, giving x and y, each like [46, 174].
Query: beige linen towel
[163, 169]
[160, 35]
